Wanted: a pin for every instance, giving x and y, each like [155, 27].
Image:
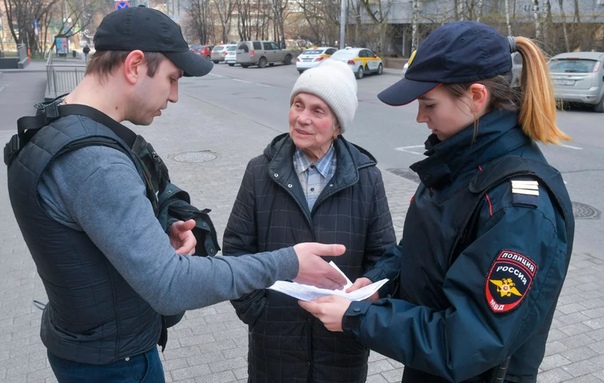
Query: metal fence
[62, 76]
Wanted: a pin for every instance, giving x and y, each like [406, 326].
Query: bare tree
[319, 21]
[244, 19]
[415, 19]
[507, 17]
[21, 14]
[200, 20]
[224, 10]
[564, 30]
[547, 18]
[279, 8]
[374, 31]
[536, 19]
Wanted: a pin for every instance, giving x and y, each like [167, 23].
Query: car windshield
[572, 66]
[232, 48]
[218, 48]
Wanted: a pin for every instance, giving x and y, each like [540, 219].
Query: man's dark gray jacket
[93, 324]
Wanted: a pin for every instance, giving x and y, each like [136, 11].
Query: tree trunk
[536, 18]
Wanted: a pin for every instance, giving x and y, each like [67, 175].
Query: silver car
[261, 53]
[578, 77]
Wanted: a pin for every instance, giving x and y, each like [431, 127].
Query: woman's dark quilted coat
[287, 344]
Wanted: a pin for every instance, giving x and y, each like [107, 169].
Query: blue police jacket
[471, 296]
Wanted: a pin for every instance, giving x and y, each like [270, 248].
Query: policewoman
[488, 236]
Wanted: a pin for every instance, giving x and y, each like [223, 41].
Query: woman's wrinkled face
[312, 125]
[444, 114]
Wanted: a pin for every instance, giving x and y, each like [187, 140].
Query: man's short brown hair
[105, 62]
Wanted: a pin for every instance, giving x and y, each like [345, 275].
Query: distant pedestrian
[86, 50]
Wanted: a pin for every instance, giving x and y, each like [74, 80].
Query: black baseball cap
[149, 30]
[462, 51]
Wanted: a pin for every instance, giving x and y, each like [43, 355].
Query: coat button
[356, 310]
[307, 364]
[276, 175]
[290, 186]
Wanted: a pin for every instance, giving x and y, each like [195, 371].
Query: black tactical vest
[92, 324]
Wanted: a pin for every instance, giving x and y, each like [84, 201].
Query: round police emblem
[509, 280]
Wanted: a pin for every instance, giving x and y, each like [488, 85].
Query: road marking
[253, 83]
[409, 149]
[571, 147]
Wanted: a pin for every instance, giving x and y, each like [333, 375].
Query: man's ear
[479, 97]
[134, 66]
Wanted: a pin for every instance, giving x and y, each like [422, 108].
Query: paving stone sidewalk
[206, 150]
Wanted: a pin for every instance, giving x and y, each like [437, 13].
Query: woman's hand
[329, 310]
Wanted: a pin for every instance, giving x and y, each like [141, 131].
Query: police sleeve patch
[509, 280]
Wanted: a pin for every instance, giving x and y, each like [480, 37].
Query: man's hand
[329, 310]
[362, 282]
[315, 271]
[182, 238]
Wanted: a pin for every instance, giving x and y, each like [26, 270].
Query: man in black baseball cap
[149, 30]
[111, 236]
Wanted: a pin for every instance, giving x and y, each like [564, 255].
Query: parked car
[312, 57]
[231, 55]
[220, 51]
[261, 53]
[202, 50]
[578, 77]
[516, 70]
[360, 60]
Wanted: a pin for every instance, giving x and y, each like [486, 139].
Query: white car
[231, 55]
[312, 57]
[219, 52]
[360, 60]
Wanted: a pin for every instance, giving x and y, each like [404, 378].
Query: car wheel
[208, 58]
[262, 62]
[215, 61]
[231, 64]
[600, 106]
[288, 60]
[300, 71]
[380, 69]
[244, 65]
[360, 72]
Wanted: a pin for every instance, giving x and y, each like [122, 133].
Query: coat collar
[350, 159]
[498, 133]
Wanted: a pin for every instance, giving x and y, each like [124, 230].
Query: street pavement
[206, 149]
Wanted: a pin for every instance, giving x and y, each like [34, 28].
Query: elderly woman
[309, 185]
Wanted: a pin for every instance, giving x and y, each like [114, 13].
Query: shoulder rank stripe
[525, 187]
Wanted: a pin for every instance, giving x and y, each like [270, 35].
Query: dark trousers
[141, 368]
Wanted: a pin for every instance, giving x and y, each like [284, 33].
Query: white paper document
[309, 293]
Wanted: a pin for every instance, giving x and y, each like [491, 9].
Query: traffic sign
[121, 5]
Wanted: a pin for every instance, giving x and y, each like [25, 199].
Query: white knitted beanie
[333, 82]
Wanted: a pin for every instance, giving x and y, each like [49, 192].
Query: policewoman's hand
[362, 282]
[329, 310]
